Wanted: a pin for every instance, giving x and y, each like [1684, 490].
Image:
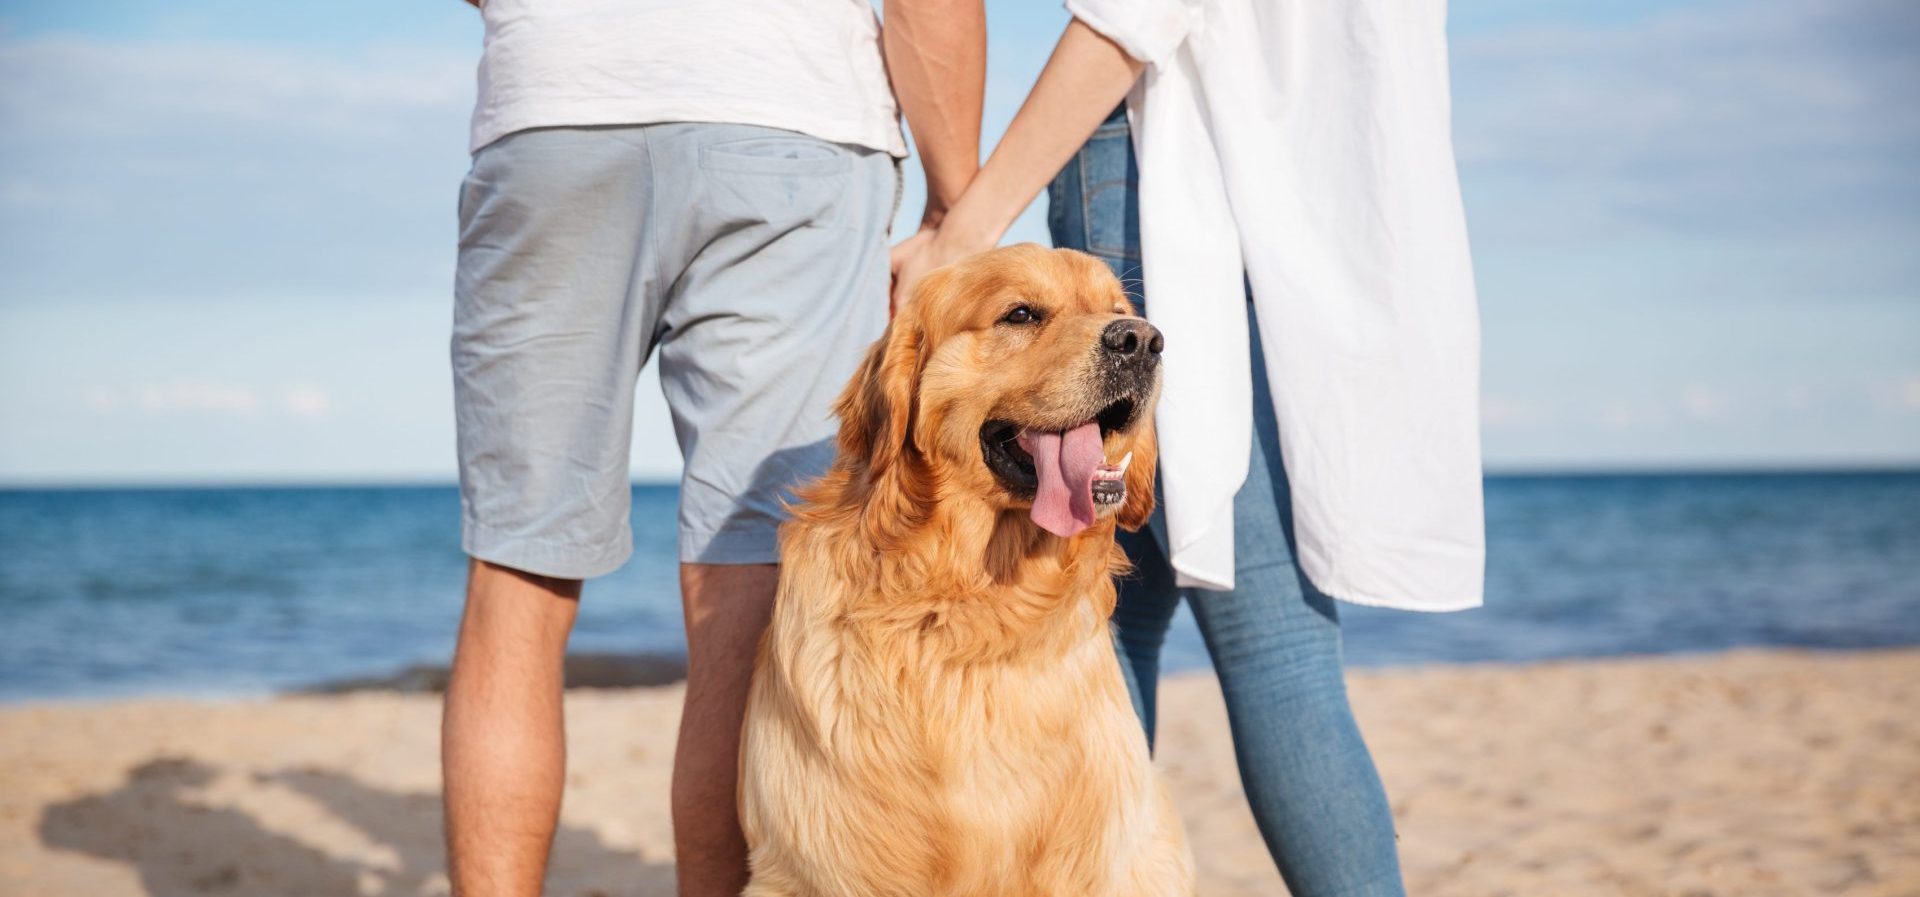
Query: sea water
[108, 592]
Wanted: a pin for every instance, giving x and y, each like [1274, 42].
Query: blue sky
[226, 233]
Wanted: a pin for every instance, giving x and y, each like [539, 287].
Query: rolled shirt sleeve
[1148, 30]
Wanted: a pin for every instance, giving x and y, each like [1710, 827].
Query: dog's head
[1020, 378]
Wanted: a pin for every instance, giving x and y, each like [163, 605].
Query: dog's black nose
[1132, 336]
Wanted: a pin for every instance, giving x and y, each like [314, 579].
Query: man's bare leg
[503, 749]
[727, 607]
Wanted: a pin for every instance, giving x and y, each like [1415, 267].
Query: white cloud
[34, 196]
[1702, 402]
[102, 400]
[1770, 115]
[1500, 412]
[227, 169]
[1797, 398]
[198, 397]
[1622, 415]
[69, 86]
[1910, 393]
[211, 397]
[306, 400]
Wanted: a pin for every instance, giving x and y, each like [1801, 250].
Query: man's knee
[522, 608]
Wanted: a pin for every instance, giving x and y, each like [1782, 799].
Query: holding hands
[1084, 79]
[930, 248]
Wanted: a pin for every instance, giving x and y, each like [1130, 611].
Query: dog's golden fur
[936, 709]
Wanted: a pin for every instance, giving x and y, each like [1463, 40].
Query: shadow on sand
[180, 847]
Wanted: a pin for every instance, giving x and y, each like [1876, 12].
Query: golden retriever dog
[936, 708]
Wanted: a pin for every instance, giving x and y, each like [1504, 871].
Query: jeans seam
[1086, 200]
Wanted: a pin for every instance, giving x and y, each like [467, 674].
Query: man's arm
[937, 57]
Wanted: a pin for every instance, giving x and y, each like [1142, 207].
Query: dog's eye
[1021, 315]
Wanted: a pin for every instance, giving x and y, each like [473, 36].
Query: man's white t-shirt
[812, 66]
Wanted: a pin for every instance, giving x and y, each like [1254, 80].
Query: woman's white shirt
[1306, 145]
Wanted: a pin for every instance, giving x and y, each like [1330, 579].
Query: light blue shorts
[753, 259]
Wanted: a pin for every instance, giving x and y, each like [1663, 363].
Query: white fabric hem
[1148, 32]
[1438, 607]
[506, 119]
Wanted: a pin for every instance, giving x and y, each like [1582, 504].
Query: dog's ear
[1139, 477]
[876, 409]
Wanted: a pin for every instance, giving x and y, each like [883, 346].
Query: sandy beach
[1751, 773]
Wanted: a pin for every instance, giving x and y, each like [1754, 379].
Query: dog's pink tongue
[1063, 503]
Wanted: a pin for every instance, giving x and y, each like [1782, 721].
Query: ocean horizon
[215, 590]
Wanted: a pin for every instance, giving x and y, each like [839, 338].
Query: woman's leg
[1275, 642]
[1091, 207]
[1147, 601]
[1093, 204]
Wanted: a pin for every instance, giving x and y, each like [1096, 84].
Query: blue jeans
[1274, 639]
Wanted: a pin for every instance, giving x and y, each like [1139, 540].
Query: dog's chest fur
[979, 745]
